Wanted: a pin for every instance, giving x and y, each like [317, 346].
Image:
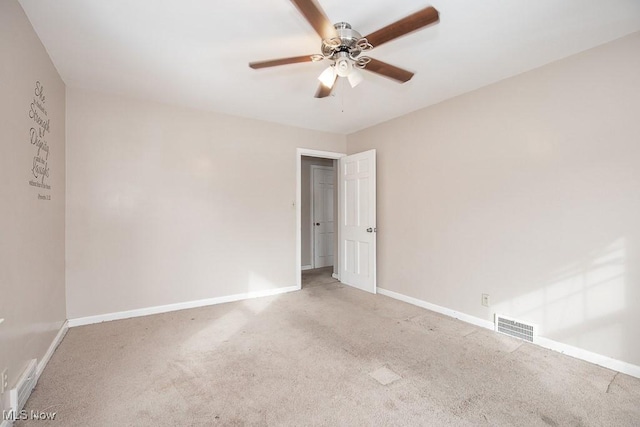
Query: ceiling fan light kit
[343, 46]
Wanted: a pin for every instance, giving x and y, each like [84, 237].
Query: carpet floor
[326, 355]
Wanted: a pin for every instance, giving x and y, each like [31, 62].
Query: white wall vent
[25, 385]
[516, 328]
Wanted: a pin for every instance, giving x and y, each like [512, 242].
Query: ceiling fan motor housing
[346, 41]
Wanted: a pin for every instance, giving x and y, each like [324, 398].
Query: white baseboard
[306, 267]
[588, 356]
[438, 309]
[89, 320]
[44, 361]
[335, 276]
[56, 342]
[578, 353]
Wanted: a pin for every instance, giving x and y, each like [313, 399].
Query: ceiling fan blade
[388, 70]
[324, 91]
[313, 13]
[404, 26]
[281, 61]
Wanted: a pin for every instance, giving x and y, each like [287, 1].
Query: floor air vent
[516, 328]
[24, 387]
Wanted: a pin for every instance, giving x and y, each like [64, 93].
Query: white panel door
[358, 220]
[323, 222]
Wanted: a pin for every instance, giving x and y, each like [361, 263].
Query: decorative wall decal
[40, 127]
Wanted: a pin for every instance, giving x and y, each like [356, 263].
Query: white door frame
[309, 153]
[313, 204]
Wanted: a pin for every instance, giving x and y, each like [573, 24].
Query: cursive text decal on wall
[40, 128]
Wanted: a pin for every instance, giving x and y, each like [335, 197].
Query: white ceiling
[195, 52]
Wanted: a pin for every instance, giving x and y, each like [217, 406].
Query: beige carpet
[327, 355]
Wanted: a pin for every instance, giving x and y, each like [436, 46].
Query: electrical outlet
[485, 300]
[4, 381]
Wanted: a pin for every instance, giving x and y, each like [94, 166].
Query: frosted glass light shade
[328, 77]
[355, 77]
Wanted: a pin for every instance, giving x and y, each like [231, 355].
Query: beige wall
[166, 204]
[528, 190]
[32, 293]
[305, 208]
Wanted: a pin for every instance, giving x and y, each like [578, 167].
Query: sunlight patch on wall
[257, 282]
[581, 302]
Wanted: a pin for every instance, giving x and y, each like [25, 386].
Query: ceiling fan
[344, 46]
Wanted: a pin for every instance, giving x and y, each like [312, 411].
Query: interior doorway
[354, 262]
[316, 202]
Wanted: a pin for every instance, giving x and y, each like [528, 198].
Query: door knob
[369, 230]
[317, 223]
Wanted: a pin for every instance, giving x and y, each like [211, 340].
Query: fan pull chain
[342, 90]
